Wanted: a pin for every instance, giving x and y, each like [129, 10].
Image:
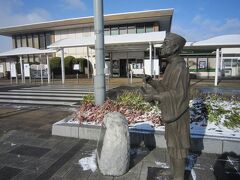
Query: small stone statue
[113, 151]
[173, 95]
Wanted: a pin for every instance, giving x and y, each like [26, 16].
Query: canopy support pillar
[22, 70]
[150, 58]
[48, 70]
[41, 70]
[217, 67]
[16, 72]
[88, 61]
[62, 66]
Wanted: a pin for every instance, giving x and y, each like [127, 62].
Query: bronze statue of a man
[173, 95]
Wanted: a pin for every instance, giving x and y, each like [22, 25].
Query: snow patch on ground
[147, 125]
[161, 164]
[89, 163]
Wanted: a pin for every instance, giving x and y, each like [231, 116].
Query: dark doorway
[123, 68]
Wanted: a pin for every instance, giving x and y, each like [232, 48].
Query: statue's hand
[147, 79]
[148, 97]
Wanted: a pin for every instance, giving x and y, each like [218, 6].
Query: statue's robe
[173, 94]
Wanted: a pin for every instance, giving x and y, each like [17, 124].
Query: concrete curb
[204, 143]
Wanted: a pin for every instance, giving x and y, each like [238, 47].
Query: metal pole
[41, 72]
[22, 70]
[99, 82]
[88, 61]
[11, 72]
[154, 57]
[216, 68]
[221, 65]
[30, 78]
[52, 78]
[154, 52]
[150, 58]
[77, 78]
[16, 73]
[62, 66]
[131, 75]
[48, 71]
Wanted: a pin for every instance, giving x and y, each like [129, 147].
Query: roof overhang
[124, 42]
[133, 17]
[225, 41]
[26, 51]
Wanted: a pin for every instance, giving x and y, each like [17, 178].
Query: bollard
[52, 78]
[131, 77]
[77, 78]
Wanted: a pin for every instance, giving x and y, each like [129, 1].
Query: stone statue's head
[173, 44]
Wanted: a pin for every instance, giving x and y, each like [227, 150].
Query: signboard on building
[154, 70]
[26, 70]
[8, 66]
[202, 63]
[76, 67]
[1, 68]
[13, 70]
[36, 71]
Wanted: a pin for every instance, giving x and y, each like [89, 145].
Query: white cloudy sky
[195, 20]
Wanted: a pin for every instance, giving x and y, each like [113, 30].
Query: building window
[35, 41]
[14, 42]
[24, 41]
[149, 28]
[19, 42]
[42, 41]
[140, 28]
[48, 39]
[123, 30]
[31, 58]
[107, 31]
[131, 29]
[30, 41]
[114, 31]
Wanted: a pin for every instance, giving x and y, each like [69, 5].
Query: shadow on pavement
[227, 166]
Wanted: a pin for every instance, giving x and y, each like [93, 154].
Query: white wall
[78, 52]
[230, 50]
[127, 55]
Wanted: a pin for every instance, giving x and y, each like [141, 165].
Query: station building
[132, 42]
[135, 33]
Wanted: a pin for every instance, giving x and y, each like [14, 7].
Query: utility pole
[99, 82]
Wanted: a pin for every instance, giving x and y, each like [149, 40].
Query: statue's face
[168, 48]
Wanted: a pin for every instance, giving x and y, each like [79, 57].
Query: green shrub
[55, 65]
[232, 120]
[88, 98]
[133, 99]
[82, 62]
[218, 112]
[68, 63]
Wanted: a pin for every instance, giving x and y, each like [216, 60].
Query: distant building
[133, 41]
[41, 35]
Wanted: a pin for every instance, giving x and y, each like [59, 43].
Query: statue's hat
[177, 39]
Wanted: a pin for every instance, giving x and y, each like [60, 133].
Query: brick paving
[29, 151]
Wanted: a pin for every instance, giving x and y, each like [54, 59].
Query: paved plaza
[29, 151]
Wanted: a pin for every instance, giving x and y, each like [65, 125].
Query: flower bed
[131, 105]
[212, 114]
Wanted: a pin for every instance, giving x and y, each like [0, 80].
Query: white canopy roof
[232, 40]
[131, 41]
[26, 51]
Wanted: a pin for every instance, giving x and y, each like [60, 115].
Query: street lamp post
[99, 82]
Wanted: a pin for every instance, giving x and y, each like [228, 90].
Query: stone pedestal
[113, 151]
